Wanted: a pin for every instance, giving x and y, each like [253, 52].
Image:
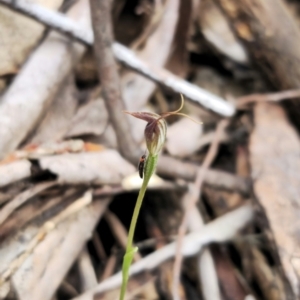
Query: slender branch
[109, 77]
[118, 230]
[64, 25]
[207, 273]
[212, 152]
[167, 166]
[271, 97]
[175, 168]
[86, 270]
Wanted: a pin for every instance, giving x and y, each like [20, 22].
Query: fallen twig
[118, 231]
[29, 212]
[86, 270]
[219, 230]
[273, 97]
[14, 172]
[66, 166]
[63, 24]
[208, 278]
[212, 152]
[99, 246]
[174, 168]
[20, 199]
[109, 267]
[167, 79]
[67, 288]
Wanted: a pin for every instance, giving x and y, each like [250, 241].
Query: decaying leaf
[275, 162]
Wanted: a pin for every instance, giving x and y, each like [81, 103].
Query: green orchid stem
[130, 250]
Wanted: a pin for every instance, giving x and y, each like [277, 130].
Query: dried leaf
[217, 31]
[183, 137]
[275, 163]
[57, 119]
[91, 118]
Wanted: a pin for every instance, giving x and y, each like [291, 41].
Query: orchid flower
[155, 136]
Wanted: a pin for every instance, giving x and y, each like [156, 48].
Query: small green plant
[155, 136]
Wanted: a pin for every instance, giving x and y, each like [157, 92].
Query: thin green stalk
[130, 250]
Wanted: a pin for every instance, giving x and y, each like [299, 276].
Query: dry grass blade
[163, 38]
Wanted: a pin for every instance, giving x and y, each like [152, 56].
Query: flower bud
[156, 128]
[155, 135]
[155, 131]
